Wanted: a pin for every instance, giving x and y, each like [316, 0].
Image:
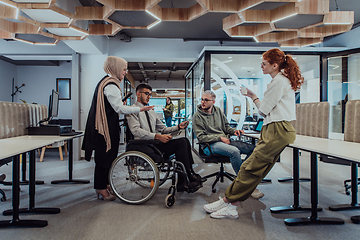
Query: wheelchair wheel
[170, 200]
[134, 177]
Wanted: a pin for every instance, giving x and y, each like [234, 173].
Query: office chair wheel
[213, 190]
[134, 177]
[170, 200]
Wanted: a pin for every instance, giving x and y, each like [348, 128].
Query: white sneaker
[227, 212]
[215, 206]
[257, 194]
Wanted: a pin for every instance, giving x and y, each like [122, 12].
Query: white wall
[91, 72]
[39, 81]
[8, 72]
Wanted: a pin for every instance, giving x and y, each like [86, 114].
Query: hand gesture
[164, 138]
[225, 140]
[146, 108]
[184, 124]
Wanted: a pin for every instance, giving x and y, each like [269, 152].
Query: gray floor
[84, 217]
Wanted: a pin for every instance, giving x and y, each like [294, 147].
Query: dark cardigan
[92, 139]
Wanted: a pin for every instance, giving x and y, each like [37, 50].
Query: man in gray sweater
[211, 126]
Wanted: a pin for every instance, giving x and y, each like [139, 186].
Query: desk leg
[16, 200]
[32, 208]
[313, 219]
[354, 191]
[287, 179]
[70, 180]
[23, 173]
[296, 189]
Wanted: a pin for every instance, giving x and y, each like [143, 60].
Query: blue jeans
[168, 122]
[233, 151]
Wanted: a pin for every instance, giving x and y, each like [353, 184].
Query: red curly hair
[286, 62]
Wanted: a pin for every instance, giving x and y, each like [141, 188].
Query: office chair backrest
[352, 123]
[15, 118]
[312, 119]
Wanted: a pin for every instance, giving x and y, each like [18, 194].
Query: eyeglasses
[148, 94]
[262, 64]
[126, 70]
[205, 100]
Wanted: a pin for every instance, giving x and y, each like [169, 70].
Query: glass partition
[194, 88]
[343, 85]
[231, 71]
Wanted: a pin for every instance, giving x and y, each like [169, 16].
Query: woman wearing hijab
[102, 126]
[168, 111]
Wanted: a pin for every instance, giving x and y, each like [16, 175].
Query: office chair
[215, 158]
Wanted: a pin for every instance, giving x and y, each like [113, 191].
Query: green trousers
[274, 137]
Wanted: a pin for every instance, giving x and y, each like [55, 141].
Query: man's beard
[206, 109]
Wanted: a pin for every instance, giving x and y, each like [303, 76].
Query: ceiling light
[338, 23]
[284, 17]
[7, 4]
[153, 15]
[154, 24]
[25, 41]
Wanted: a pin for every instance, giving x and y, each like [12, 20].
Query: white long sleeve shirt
[278, 103]
[113, 95]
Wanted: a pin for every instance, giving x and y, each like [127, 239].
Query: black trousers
[180, 147]
[104, 160]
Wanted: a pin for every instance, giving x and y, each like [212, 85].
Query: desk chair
[215, 158]
[59, 145]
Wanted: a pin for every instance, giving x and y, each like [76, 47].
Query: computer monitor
[53, 105]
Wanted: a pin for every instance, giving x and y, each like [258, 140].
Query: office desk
[348, 151]
[333, 148]
[12, 147]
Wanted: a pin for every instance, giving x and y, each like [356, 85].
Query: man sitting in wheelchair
[147, 126]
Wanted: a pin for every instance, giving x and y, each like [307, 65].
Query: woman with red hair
[278, 109]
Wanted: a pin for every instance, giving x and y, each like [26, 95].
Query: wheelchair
[134, 177]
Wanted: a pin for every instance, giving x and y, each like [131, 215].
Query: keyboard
[70, 133]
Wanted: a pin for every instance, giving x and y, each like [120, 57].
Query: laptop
[257, 127]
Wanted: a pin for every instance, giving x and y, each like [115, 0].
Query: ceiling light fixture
[285, 17]
[154, 24]
[338, 23]
[153, 15]
[22, 40]
[7, 4]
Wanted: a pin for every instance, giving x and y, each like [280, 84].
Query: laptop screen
[259, 125]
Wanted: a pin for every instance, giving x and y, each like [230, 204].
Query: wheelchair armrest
[141, 141]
